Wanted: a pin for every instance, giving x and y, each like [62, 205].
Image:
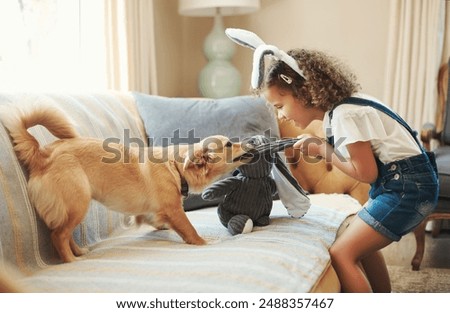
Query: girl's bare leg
[376, 272]
[357, 242]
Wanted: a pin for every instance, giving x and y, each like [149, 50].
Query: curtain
[52, 45]
[130, 42]
[414, 56]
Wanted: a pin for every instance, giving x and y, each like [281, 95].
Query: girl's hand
[311, 145]
[361, 165]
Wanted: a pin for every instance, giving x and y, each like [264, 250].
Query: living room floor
[437, 251]
[434, 273]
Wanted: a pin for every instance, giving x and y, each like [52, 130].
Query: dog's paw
[77, 250]
[85, 251]
[72, 258]
[80, 258]
[201, 242]
[81, 251]
[197, 241]
[213, 241]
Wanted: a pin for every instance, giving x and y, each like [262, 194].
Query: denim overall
[405, 191]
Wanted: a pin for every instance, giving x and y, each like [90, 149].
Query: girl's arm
[361, 165]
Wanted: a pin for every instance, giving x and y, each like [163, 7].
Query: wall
[355, 31]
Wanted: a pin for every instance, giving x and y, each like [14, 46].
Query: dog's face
[211, 158]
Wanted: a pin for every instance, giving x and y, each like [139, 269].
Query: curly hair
[327, 83]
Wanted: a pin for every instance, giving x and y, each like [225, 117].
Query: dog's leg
[179, 222]
[77, 251]
[150, 220]
[62, 237]
[76, 202]
[61, 241]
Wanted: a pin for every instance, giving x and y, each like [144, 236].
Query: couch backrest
[188, 120]
[24, 239]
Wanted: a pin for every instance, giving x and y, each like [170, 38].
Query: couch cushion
[288, 255]
[24, 239]
[188, 120]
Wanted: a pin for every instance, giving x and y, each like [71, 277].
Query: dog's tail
[17, 120]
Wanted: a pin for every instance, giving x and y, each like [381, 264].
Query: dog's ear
[198, 158]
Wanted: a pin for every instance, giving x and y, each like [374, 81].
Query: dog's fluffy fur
[65, 175]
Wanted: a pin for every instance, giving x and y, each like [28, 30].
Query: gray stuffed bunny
[248, 195]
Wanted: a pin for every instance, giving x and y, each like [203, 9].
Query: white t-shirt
[351, 123]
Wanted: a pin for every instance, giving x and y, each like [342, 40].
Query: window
[52, 45]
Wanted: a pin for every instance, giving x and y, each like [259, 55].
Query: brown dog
[66, 174]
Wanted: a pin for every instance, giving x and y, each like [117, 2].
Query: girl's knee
[336, 254]
[339, 254]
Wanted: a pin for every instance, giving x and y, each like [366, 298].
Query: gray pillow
[188, 120]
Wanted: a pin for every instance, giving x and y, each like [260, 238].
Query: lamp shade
[208, 7]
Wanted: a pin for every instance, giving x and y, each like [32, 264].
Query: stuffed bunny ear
[292, 195]
[244, 38]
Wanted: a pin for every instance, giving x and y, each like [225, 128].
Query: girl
[370, 146]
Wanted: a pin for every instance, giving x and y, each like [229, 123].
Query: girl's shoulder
[352, 110]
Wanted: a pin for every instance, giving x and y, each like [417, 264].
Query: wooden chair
[441, 132]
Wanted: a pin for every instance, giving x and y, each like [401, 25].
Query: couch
[289, 255]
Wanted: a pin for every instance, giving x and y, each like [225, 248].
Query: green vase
[219, 78]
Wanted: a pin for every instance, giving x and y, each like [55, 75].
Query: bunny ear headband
[252, 41]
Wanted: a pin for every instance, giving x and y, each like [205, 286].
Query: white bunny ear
[244, 37]
[258, 62]
[251, 40]
[286, 58]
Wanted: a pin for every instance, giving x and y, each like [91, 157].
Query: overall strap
[378, 106]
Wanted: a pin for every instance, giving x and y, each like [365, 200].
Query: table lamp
[219, 78]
